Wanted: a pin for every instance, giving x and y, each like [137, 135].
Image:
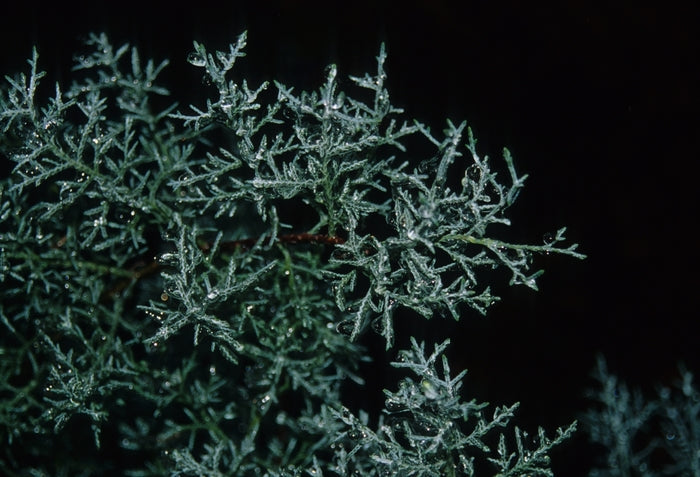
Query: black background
[598, 103]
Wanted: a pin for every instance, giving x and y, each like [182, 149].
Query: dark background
[598, 103]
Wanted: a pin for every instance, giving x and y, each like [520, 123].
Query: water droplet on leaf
[393, 406]
[196, 59]
[345, 327]
[264, 403]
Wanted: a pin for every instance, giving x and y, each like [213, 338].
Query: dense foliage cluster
[188, 287]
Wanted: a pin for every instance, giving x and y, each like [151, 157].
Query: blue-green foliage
[191, 285]
[428, 430]
[643, 437]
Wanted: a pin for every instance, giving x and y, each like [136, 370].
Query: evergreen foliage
[643, 437]
[188, 287]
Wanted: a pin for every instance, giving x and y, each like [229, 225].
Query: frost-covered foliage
[188, 287]
[430, 431]
[643, 437]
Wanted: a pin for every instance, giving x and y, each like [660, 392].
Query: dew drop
[548, 238]
[378, 325]
[212, 370]
[474, 172]
[264, 403]
[196, 59]
[86, 62]
[393, 406]
[345, 327]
